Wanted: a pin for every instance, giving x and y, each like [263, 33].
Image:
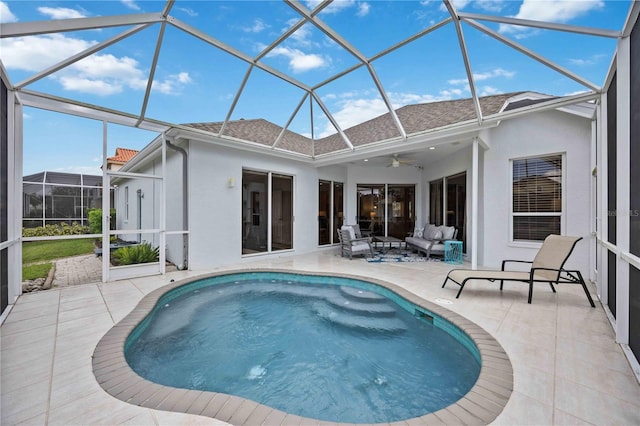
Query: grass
[42, 251]
[37, 270]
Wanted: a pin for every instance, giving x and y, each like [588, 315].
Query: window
[537, 197]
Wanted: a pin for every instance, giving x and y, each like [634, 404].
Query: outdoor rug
[396, 255]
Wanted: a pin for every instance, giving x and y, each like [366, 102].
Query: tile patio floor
[567, 367]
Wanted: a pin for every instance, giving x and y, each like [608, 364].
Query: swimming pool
[373, 386]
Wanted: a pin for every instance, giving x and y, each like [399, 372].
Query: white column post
[474, 204]
[106, 208]
[623, 153]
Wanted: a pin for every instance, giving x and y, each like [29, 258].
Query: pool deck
[567, 368]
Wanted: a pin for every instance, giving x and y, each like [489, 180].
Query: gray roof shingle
[414, 118]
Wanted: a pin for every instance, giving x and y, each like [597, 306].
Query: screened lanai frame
[142, 21]
[24, 96]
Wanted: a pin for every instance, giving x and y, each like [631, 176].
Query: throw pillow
[437, 236]
[418, 232]
[429, 230]
[447, 232]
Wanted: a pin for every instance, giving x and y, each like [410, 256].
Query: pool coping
[481, 405]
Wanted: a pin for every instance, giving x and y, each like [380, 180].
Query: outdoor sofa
[430, 239]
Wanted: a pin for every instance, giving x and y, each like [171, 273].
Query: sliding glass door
[449, 207]
[330, 211]
[263, 228]
[386, 210]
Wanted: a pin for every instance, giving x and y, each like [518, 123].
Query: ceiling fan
[397, 162]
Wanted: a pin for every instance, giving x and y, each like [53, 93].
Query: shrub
[141, 253]
[55, 230]
[94, 216]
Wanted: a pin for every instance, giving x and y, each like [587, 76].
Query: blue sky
[196, 82]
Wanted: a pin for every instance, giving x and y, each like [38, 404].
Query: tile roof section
[122, 156]
[414, 118]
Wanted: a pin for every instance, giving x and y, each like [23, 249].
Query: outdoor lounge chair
[351, 245]
[546, 267]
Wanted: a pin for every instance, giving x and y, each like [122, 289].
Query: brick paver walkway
[78, 270]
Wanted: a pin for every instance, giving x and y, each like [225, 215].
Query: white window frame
[562, 214]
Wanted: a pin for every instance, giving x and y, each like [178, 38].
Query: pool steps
[355, 308]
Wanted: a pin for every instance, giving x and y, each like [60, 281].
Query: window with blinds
[537, 197]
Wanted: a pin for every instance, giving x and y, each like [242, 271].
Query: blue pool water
[328, 348]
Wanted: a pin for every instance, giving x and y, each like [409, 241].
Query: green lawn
[41, 251]
[37, 270]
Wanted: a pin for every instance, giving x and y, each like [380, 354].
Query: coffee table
[379, 239]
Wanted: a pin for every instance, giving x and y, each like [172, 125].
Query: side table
[453, 252]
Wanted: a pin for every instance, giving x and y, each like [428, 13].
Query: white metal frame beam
[311, 18]
[534, 55]
[465, 58]
[540, 24]
[18, 29]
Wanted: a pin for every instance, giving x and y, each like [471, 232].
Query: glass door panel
[281, 212]
[338, 208]
[401, 210]
[371, 209]
[254, 218]
[436, 200]
[324, 208]
[456, 205]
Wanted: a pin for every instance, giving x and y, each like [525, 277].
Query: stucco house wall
[215, 206]
[215, 191]
[538, 134]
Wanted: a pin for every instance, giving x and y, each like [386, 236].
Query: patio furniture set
[546, 267]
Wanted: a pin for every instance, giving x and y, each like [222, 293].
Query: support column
[474, 204]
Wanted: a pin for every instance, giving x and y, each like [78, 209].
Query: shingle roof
[122, 156]
[414, 118]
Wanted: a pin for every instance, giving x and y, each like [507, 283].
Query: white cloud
[98, 74]
[188, 11]
[298, 60]
[86, 85]
[363, 9]
[131, 4]
[257, 26]
[334, 7]
[496, 73]
[61, 12]
[490, 5]
[34, 53]
[486, 5]
[558, 11]
[172, 84]
[488, 90]
[6, 15]
[302, 36]
[594, 59]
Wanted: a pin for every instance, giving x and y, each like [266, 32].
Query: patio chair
[547, 267]
[351, 245]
